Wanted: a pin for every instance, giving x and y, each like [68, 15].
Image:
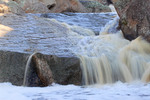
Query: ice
[117, 91]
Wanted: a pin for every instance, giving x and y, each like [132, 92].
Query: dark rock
[134, 18]
[38, 72]
[43, 69]
[12, 67]
[109, 2]
[66, 70]
[51, 6]
[55, 43]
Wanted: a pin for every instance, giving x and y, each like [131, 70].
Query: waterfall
[100, 61]
[108, 58]
[25, 82]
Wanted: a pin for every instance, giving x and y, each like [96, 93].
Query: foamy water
[105, 59]
[109, 57]
[120, 91]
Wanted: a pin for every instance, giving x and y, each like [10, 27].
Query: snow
[120, 91]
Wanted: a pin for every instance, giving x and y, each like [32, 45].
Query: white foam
[120, 91]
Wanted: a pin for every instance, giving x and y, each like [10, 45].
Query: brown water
[109, 57]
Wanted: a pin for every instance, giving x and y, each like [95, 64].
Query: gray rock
[12, 67]
[54, 41]
[21, 36]
[43, 69]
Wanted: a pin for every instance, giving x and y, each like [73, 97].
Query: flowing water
[25, 82]
[106, 57]
[109, 57]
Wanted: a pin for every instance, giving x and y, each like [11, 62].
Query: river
[113, 67]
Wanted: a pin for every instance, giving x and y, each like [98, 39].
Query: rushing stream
[106, 58]
[109, 57]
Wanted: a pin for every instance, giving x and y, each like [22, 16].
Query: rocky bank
[134, 18]
[52, 6]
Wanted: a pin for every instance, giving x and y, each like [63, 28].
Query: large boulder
[53, 6]
[134, 18]
[68, 6]
[95, 6]
[28, 6]
[32, 6]
[43, 70]
[12, 67]
[21, 36]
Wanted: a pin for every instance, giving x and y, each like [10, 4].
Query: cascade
[109, 57]
[25, 82]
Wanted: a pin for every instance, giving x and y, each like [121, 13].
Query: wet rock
[54, 41]
[21, 35]
[46, 69]
[12, 67]
[134, 18]
[37, 72]
[66, 70]
[43, 69]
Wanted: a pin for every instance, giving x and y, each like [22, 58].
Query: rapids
[105, 55]
[109, 57]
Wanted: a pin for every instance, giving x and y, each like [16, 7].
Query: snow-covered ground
[117, 91]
